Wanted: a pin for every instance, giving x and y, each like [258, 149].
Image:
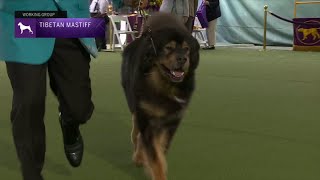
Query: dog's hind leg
[314, 36]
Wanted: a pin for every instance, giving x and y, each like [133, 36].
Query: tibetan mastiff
[158, 78]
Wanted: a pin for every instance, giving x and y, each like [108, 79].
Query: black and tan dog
[158, 78]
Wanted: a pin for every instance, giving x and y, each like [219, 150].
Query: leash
[144, 20]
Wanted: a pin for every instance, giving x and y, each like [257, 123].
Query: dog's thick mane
[164, 28]
[139, 55]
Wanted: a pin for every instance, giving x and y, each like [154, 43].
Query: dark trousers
[68, 70]
[101, 43]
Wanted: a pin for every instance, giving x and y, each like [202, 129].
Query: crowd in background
[184, 9]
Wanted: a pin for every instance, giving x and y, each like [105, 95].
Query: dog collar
[149, 34]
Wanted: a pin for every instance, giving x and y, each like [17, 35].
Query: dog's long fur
[156, 102]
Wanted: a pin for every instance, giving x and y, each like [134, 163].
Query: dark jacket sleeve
[214, 3]
[213, 10]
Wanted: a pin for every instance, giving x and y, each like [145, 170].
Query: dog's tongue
[177, 73]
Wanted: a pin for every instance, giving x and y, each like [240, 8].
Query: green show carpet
[254, 116]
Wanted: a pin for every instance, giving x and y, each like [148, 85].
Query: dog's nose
[181, 59]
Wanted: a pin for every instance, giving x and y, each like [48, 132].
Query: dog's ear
[147, 56]
[147, 62]
[141, 51]
[194, 53]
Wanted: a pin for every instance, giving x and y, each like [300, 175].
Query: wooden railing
[296, 2]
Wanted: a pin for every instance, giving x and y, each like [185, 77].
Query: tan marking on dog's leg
[157, 166]
[134, 131]
[138, 155]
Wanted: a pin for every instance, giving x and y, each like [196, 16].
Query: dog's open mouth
[175, 75]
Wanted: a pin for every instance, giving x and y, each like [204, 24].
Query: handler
[27, 61]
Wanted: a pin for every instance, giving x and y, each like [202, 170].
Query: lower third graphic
[59, 27]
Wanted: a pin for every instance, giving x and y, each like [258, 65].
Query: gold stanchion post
[295, 9]
[110, 12]
[265, 27]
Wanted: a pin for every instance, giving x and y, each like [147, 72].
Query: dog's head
[176, 51]
[173, 60]
[19, 24]
[300, 30]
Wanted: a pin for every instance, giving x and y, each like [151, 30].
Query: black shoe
[209, 48]
[73, 143]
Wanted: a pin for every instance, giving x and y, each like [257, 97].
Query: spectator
[193, 4]
[213, 13]
[178, 8]
[98, 8]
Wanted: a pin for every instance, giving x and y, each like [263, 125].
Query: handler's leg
[69, 79]
[28, 107]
